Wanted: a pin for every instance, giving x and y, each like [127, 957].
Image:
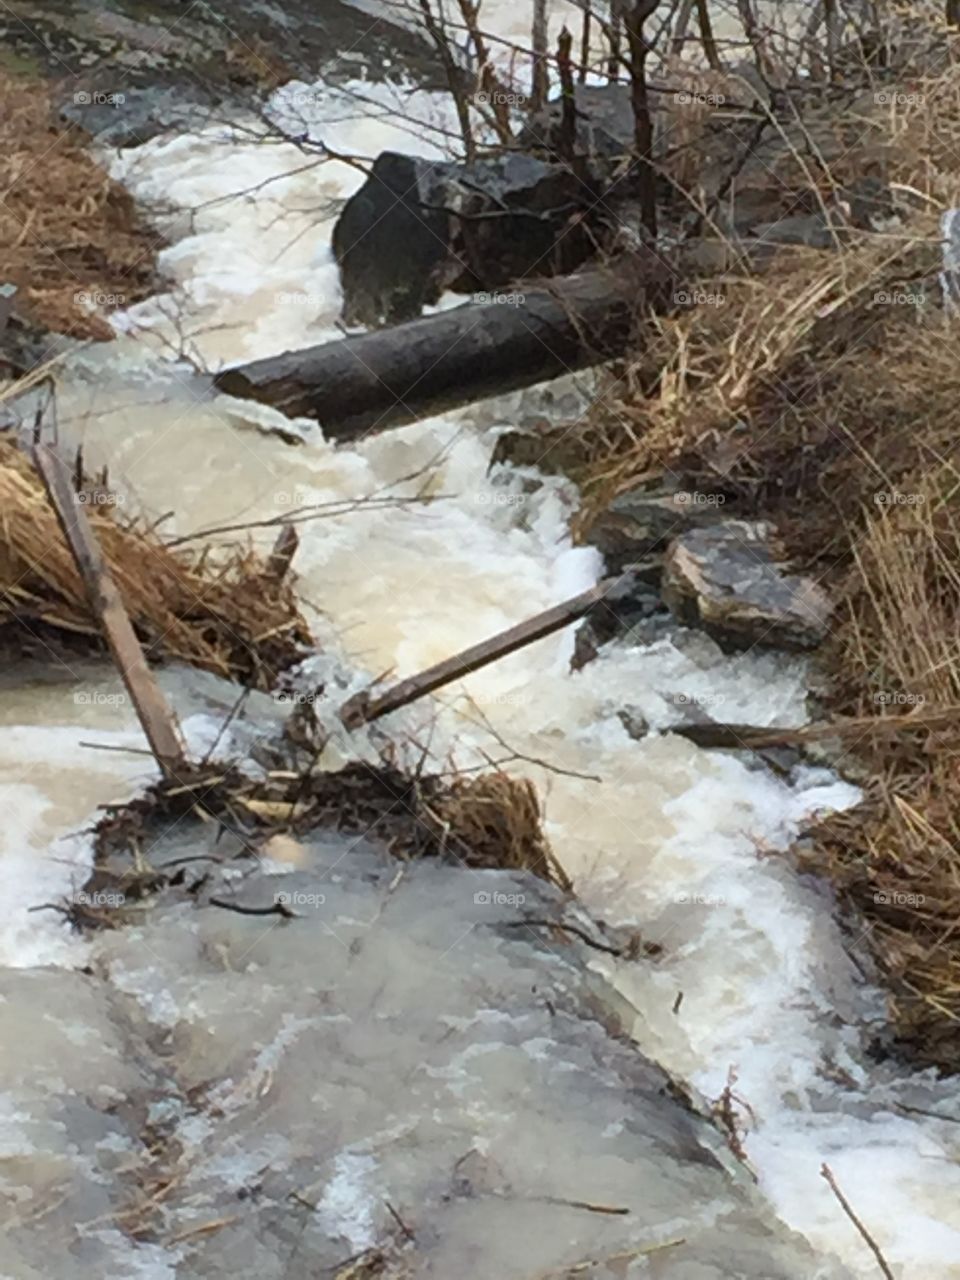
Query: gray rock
[644, 520]
[729, 581]
[635, 723]
[404, 1042]
[605, 126]
[624, 609]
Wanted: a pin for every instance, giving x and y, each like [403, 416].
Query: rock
[418, 227]
[643, 520]
[623, 609]
[402, 1047]
[636, 725]
[811, 230]
[728, 580]
[552, 449]
[137, 69]
[605, 127]
[391, 248]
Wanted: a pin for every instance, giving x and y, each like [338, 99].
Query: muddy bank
[399, 1073]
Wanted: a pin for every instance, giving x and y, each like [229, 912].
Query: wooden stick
[284, 549]
[827, 1173]
[362, 708]
[108, 608]
[754, 737]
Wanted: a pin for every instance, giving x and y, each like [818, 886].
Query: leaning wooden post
[108, 608]
[362, 707]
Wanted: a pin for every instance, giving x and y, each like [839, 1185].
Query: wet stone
[729, 580]
[643, 520]
[418, 227]
[401, 1043]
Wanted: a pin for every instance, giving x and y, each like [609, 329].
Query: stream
[683, 844]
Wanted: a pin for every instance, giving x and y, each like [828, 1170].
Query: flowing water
[683, 844]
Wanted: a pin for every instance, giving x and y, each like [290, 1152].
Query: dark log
[393, 376]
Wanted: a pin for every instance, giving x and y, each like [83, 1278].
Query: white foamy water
[683, 844]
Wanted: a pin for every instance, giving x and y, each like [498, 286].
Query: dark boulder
[392, 240]
[418, 227]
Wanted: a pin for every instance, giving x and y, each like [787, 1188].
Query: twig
[276, 909]
[827, 1174]
[566, 928]
[407, 1231]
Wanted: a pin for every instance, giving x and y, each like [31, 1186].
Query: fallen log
[364, 707]
[748, 737]
[394, 376]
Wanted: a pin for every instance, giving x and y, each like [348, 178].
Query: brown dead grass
[225, 615]
[68, 232]
[808, 399]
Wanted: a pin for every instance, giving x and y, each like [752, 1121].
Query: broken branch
[108, 608]
[362, 708]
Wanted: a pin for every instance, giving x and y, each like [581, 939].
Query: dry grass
[496, 819]
[224, 615]
[810, 399]
[68, 232]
